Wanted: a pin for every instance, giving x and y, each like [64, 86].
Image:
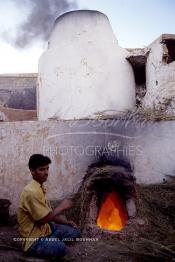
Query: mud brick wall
[18, 91]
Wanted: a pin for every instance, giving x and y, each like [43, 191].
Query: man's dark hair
[38, 160]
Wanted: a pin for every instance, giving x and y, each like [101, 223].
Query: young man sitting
[42, 228]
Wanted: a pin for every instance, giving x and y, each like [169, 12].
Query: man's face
[40, 174]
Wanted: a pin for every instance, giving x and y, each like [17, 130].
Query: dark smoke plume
[40, 20]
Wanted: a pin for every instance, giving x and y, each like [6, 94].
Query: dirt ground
[148, 237]
[85, 250]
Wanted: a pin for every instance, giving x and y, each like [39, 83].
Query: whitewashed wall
[155, 159]
[84, 71]
[73, 145]
[160, 80]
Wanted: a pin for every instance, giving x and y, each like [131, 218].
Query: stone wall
[73, 145]
[18, 91]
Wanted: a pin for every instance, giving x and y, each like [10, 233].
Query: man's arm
[61, 219]
[53, 216]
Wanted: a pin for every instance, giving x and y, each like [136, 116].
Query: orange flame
[113, 214]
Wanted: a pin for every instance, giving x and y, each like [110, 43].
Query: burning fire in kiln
[113, 214]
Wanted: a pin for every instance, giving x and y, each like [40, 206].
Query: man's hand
[66, 204]
[71, 223]
[61, 219]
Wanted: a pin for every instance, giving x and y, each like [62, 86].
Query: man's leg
[49, 246]
[65, 231]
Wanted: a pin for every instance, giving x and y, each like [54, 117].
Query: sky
[136, 23]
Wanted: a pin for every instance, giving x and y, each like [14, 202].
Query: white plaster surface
[156, 153]
[160, 81]
[84, 72]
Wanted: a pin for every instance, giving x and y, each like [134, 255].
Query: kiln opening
[112, 214]
[110, 190]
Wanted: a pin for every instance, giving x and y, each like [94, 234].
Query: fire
[113, 214]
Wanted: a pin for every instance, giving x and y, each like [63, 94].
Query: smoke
[40, 20]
